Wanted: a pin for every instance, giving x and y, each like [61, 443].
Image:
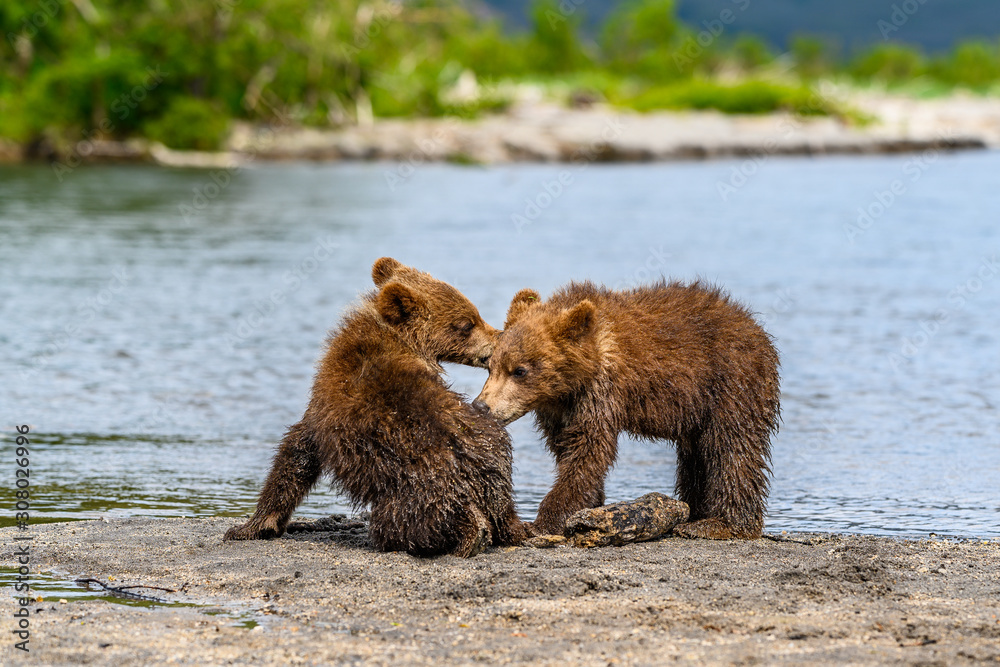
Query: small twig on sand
[779, 538]
[122, 592]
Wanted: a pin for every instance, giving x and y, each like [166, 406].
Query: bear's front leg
[295, 470]
[582, 463]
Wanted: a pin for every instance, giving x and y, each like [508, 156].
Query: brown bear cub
[672, 361]
[383, 424]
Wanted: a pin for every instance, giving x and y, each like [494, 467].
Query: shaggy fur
[668, 361]
[383, 424]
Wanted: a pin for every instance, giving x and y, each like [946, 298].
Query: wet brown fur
[668, 361]
[382, 423]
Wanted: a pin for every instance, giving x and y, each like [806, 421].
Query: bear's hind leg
[706, 529]
[295, 470]
[690, 488]
[727, 478]
[475, 536]
[690, 481]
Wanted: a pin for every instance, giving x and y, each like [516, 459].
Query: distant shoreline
[327, 598]
[547, 133]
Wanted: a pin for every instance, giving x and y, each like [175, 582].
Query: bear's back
[674, 313]
[675, 340]
[384, 419]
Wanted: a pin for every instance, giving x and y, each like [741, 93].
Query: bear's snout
[480, 407]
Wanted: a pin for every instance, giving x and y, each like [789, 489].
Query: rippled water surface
[160, 327]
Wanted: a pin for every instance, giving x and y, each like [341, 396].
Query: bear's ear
[383, 269]
[520, 304]
[578, 321]
[397, 304]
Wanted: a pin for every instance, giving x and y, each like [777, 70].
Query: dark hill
[850, 24]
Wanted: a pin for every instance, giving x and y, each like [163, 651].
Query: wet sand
[327, 598]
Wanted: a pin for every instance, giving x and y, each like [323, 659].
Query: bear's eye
[466, 328]
[519, 372]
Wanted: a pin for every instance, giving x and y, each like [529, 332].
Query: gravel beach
[324, 597]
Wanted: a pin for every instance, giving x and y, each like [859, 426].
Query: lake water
[160, 326]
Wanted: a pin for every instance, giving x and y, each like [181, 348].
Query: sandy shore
[534, 130]
[541, 132]
[327, 598]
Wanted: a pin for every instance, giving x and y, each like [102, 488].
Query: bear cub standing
[667, 361]
[383, 424]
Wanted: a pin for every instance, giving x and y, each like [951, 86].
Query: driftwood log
[646, 518]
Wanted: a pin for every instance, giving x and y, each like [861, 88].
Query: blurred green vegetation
[745, 97]
[181, 71]
[972, 65]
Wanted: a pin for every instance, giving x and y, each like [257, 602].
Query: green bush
[972, 64]
[555, 46]
[750, 52]
[191, 124]
[813, 56]
[69, 68]
[103, 94]
[490, 53]
[644, 38]
[891, 63]
[750, 97]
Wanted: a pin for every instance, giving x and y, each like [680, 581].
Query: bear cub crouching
[383, 424]
[667, 361]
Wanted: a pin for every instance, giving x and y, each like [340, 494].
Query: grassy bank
[180, 71]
